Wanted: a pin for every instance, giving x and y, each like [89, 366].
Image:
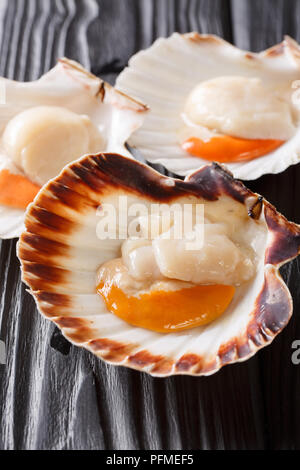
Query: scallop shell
[163, 76]
[69, 85]
[60, 253]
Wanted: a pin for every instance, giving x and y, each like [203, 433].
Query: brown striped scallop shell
[60, 253]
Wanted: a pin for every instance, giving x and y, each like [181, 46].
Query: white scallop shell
[163, 76]
[68, 85]
[60, 253]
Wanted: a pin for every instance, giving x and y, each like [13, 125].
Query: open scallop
[50, 122]
[212, 101]
[61, 251]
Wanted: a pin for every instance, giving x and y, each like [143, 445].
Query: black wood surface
[56, 397]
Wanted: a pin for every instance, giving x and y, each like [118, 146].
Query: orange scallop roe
[168, 311]
[225, 148]
[16, 190]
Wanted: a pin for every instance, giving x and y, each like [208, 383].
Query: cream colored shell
[164, 75]
[67, 85]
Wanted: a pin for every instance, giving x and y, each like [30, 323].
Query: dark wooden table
[53, 397]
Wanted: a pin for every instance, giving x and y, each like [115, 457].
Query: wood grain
[50, 400]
